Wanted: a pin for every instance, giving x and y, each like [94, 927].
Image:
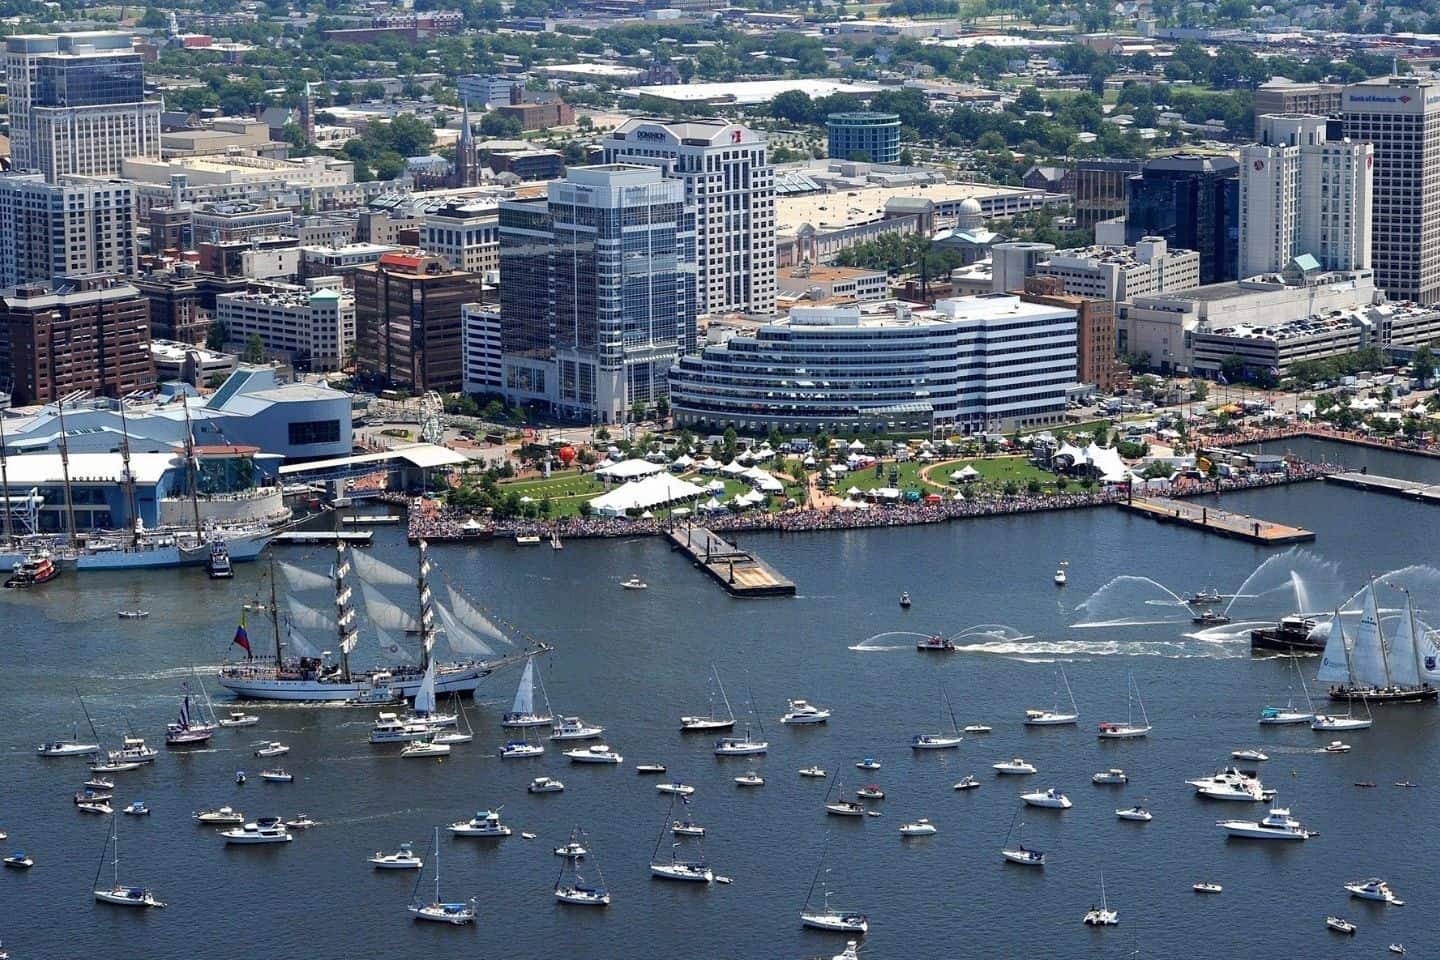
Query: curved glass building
[862, 135]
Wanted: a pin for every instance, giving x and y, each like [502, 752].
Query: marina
[738, 571]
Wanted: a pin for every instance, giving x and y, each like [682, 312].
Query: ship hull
[323, 691]
[241, 549]
[1286, 642]
[1400, 695]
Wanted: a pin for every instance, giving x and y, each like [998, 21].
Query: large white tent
[761, 480]
[652, 491]
[629, 470]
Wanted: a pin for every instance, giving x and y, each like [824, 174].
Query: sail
[460, 638]
[425, 696]
[1404, 663]
[473, 618]
[378, 572]
[1367, 654]
[301, 579]
[298, 642]
[307, 617]
[391, 645]
[1335, 664]
[524, 704]
[1428, 642]
[385, 615]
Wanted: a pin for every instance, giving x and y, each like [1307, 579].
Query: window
[308, 432]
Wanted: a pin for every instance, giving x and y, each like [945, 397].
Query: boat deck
[738, 571]
[1212, 520]
[1413, 489]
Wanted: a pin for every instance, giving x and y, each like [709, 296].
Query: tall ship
[1372, 667]
[298, 670]
[1294, 634]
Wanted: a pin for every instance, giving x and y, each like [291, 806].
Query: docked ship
[35, 569]
[1374, 668]
[1292, 635]
[308, 675]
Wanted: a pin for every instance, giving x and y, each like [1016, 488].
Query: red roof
[409, 261]
[225, 450]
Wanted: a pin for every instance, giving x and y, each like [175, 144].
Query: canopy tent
[885, 493]
[761, 480]
[653, 491]
[682, 463]
[856, 446]
[1107, 463]
[732, 469]
[746, 458]
[472, 524]
[708, 465]
[715, 486]
[965, 474]
[711, 506]
[628, 470]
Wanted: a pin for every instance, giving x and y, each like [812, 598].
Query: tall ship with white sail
[1372, 667]
[299, 671]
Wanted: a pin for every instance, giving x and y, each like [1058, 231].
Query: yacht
[649, 768]
[686, 828]
[100, 807]
[712, 720]
[595, 753]
[220, 816]
[119, 894]
[239, 718]
[822, 916]
[402, 859]
[740, 746]
[573, 728]
[97, 782]
[301, 822]
[814, 770]
[576, 889]
[133, 750]
[750, 779]
[967, 782]
[870, 792]
[635, 583]
[935, 644]
[1055, 717]
[1340, 925]
[392, 728]
[1254, 756]
[277, 775]
[1204, 887]
[919, 828]
[1128, 730]
[1014, 767]
[676, 788]
[74, 747]
[545, 785]
[977, 728]
[486, 823]
[519, 750]
[1279, 716]
[1336, 746]
[941, 740]
[19, 861]
[845, 808]
[1230, 784]
[802, 712]
[263, 830]
[1050, 798]
[422, 748]
[869, 763]
[1019, 853]
[437, 910]
[1137, 813]
[271, 748]
[1277, 825]
[1374, 889]
[522, 712]
[1110, 777]
[1324, 722]
[694, 871]
[137, 809]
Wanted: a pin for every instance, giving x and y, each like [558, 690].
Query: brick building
[1094, 329]
[408, 326]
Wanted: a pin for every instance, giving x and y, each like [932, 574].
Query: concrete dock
[357, 538]
[1413, 489]
[739, 571]
[1202, 516]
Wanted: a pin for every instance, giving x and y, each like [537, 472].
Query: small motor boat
[1340, 925]
[137, 809]
[904, 601]
[240, 776]
[967, 783]
[1207, 888]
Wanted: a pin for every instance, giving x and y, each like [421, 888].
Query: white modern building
[730, 183]
[484, 90]
[1123, 273]
[78, 104]
[989, 362]
[481, 348]
[77, 226]
[1400, 117]
[317, 326]
[1301, 193]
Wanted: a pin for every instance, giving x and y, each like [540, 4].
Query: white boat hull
[582, 898]
[242, 548]
[463, 680]
[936, 743]
[837, 923]
[667, 871]
[126, 897]
[246, 840]
[1252, 831]
[1023, 858]
[1052, 720]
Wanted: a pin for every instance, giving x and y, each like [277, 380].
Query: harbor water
[635, 661]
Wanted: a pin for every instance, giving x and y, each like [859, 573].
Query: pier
[1412, 489]
[368, 519]
[739, 571]
[1213, 520]
[356, 538]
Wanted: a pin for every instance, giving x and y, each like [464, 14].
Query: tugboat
[35, 569]
[1209, 618]
[217, 565]
[935, 644]
[1202, 597]
[1291, 635]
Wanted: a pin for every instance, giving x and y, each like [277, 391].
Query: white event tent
[653, 491]
[628, 470]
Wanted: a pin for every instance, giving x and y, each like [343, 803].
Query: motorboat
[1202, 597]
[813, 771]
[277, 775]
[935, 644]
[1254, 756]
[1060, 578]
[1229, 784]
[1365, 784]
[750, 779]
[424, 748]
[301, 822]
[1210, 618]
[1050, 798]
[870, 792]
[137, 809]
[263, 830]
[97, 782]
[92, 796]
[239, 718]
[803, 712]
[934, 741]
[545, 785]
[485, 823]
[526, 539]
[1340, 925]
[95, 806]
[1405, 784]
[115, 767]
[1136, 813]
[1374, 889]
[1204, 887]
[635, 583]
[1294, 634]
[649, 768]
[133, 750]
[968, 782]
[1337, 746]
[904, 601]
[1013, 767]
[675, 788]
[132, 614]
[686, 828]
[220, 816]
[595, 753]
[1277, 825]
[519, 750]
[740, 746]
[1398, 948]
[572, 850]
[977, 728]
[919, 828]
[19, 861]
[869, 763]
[218, 565]
[573, 728]
[240, 777]
[271, 748]
[404, 858]
[390, 727]
[1113, 776]
[32, 571]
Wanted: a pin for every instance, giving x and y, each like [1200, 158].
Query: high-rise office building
[1099, 186]
[1400, 118]
[78, 226]
[408, 328]
[731, 185]
[597, 291]
[74, 333]
[864, 135]
[1194, 203]
[77, 104]
[1301, 193]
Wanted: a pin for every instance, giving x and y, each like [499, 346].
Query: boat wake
[1045, 651]
[172, 673]
[891, 640]
[1125, 622]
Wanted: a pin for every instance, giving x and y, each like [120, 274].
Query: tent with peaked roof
[657, 490]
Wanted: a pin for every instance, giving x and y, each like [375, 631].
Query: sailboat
[1019, 853]
[940, 741]
[711, 721]
[1337, 666]
[318, 678]
[1288, 714]
[692, 870]
[828, 917]
[1102, 916]
[522, 711]
[745, 746]
[1054, 717]
[438, 910]
[1383, 672]
[118, 893]
[839, 806]
[74, 747]
[1129, 729]
[576, 889]
[426, 745]
[189, 729]
[457, 735]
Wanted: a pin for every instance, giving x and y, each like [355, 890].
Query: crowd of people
[1324, 431]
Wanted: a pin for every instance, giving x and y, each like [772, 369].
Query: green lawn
[908, 479]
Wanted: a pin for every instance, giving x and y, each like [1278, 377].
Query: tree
[215, 336]
[500, 126]
[1233, 368]
[907, 159]
[662, 407]
[1199, 389]
[254, 350]
[637, 411]
[154, 19]
[1423, 366]
[731, 440]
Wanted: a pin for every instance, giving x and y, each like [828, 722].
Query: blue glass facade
[1194, 203]
[874, 137]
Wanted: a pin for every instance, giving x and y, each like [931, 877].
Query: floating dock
[1212, 520]
[357, 538]
[1412, 489]
[368, 519]
[739, 571]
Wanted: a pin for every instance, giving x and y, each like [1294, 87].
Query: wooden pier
[356, 538]
[1411, 489]
[1212, 520]
[739, 571]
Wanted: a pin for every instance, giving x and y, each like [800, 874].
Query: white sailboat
[678, 867]
[1288, 714]
[1019, 853]
[1102, 916]
[744, 746]
[711, 721]
[118, 893]
[1055, 717]
[1337, 666]
[942, 740]
[826, 917]
[438, 910]
[463, 733]
[1381, 671]
[1128, 730]
[195, 727]
[574, 888]
[522, 711]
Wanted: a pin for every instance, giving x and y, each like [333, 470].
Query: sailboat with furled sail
[1379, 671]
[308, 674]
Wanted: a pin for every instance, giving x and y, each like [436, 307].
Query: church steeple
[466, 172]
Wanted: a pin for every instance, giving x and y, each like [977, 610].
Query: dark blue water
[636, 661]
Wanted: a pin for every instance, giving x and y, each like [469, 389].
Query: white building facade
[481, 349]
[318, 326]
[1124, 273]
[77, 226]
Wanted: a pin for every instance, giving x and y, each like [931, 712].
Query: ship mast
[344, 613]
[275, 616]
[427, 612]
[193, 469]
[65, 471]
[128, 478]
[5, 484]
